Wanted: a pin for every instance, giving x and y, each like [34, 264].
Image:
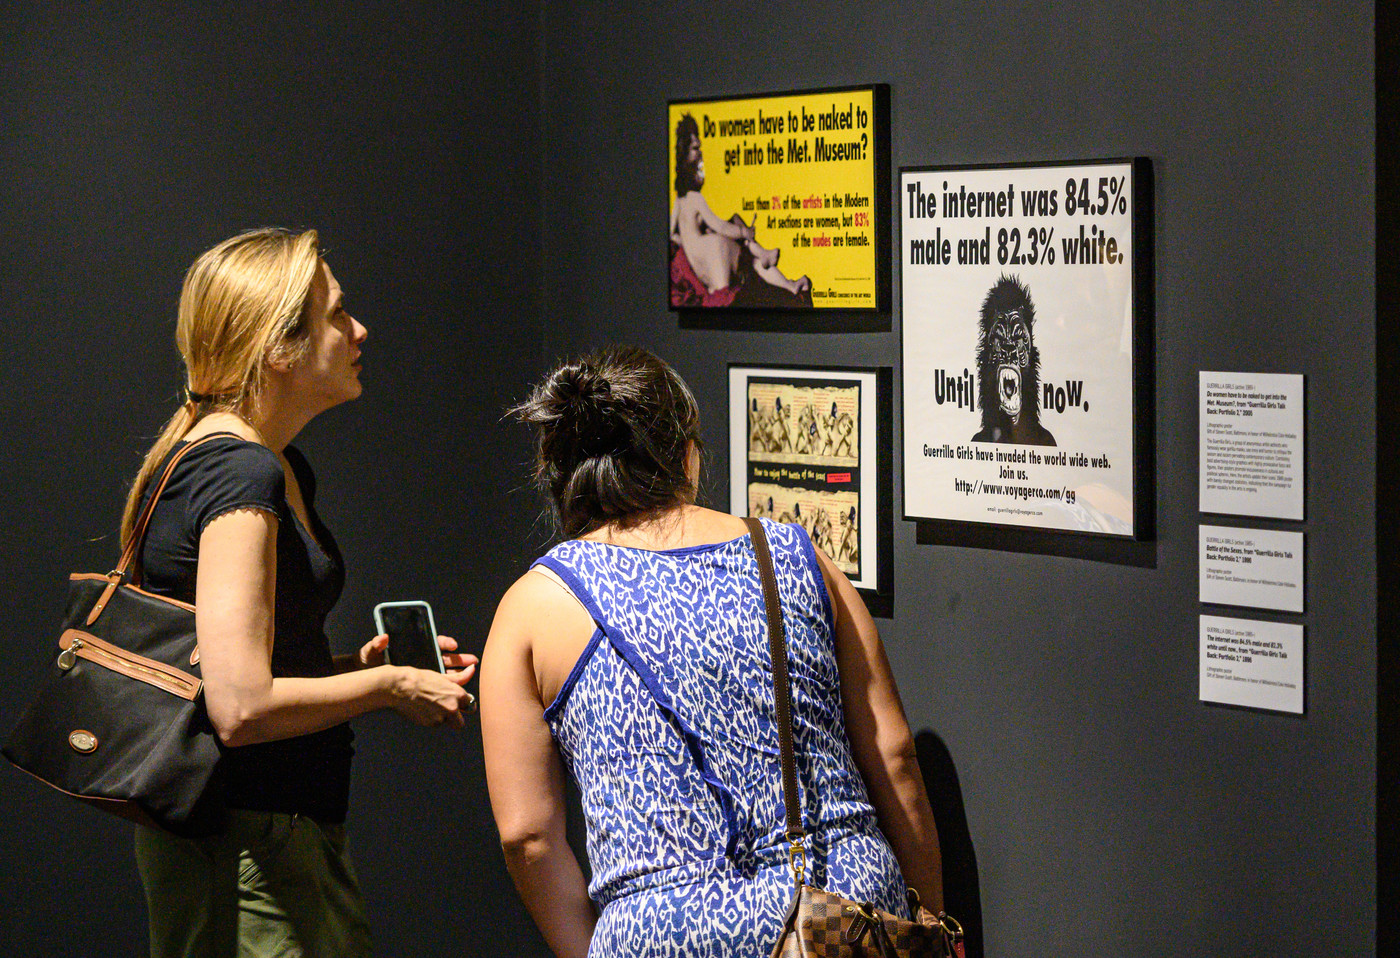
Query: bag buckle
[797, 860]
[114, 579]
[865, 922]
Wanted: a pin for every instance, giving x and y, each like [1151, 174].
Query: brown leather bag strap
[782, 695]
[138, 532]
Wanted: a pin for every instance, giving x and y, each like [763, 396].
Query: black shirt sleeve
[235, 476]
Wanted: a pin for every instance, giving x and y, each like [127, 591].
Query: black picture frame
[815, 476]
[1133, 546]
[757, 305]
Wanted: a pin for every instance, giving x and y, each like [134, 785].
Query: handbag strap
[138, 531]
[782, 698]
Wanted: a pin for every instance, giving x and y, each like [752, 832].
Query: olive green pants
[271, 886]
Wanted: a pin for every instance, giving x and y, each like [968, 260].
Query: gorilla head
[1008, 368]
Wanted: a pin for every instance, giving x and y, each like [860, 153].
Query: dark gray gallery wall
[1111, 813]
[133, 136]
[490, 182]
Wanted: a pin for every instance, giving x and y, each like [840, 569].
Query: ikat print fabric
[667, 726]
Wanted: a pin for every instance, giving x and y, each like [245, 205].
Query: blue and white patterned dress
[667, 725]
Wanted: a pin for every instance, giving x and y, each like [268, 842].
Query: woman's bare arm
[235, 590]
[881, 741]
[524, 774]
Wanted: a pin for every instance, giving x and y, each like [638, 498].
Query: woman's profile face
[329, 374]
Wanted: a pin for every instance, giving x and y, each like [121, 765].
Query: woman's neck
[273, 431]
[277, 432]
[681, 525]
[264, 420]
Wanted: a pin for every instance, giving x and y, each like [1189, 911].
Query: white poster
[1252, 444]
[1251, 663]
[1018, 312]
[1258, 568]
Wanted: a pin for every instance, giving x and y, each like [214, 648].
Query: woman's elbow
[898, 755]
[236, 722]
[898, 744]
[524, 847]
[233, 732]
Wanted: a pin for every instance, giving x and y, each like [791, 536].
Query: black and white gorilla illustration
[805, 440]
[1008, 368]
[757, 443]
[779, 439]
[796, 516]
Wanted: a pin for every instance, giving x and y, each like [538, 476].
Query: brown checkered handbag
[822, 925]
[818, 923]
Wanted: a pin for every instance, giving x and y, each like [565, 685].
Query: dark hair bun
[590, 420]
[613, 429]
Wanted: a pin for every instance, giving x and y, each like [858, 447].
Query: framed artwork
[811, 445]
[779, 202]
[1027, 381]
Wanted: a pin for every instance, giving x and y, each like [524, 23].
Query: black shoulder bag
[120, 722]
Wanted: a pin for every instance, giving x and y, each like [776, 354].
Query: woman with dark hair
[635, 655]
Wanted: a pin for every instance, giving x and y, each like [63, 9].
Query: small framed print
[811, 445]
[779, 204]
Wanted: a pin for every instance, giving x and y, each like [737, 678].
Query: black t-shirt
[308, 774]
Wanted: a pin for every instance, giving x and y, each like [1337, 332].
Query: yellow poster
[777, 202]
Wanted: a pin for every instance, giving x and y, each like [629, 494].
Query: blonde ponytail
[173, 431]
[242, 304]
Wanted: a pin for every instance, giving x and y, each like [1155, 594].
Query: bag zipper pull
[69, 656]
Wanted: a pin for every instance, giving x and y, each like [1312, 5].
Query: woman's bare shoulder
[691, 202]
[538, 604]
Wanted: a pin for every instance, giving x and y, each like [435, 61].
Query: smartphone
[412, 634]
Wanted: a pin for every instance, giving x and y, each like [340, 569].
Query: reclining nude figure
[712, 245]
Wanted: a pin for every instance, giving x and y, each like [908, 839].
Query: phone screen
[411, 639]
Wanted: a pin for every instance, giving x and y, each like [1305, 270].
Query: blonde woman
[268, 345]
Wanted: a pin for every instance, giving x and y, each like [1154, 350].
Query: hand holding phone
[413, 638]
